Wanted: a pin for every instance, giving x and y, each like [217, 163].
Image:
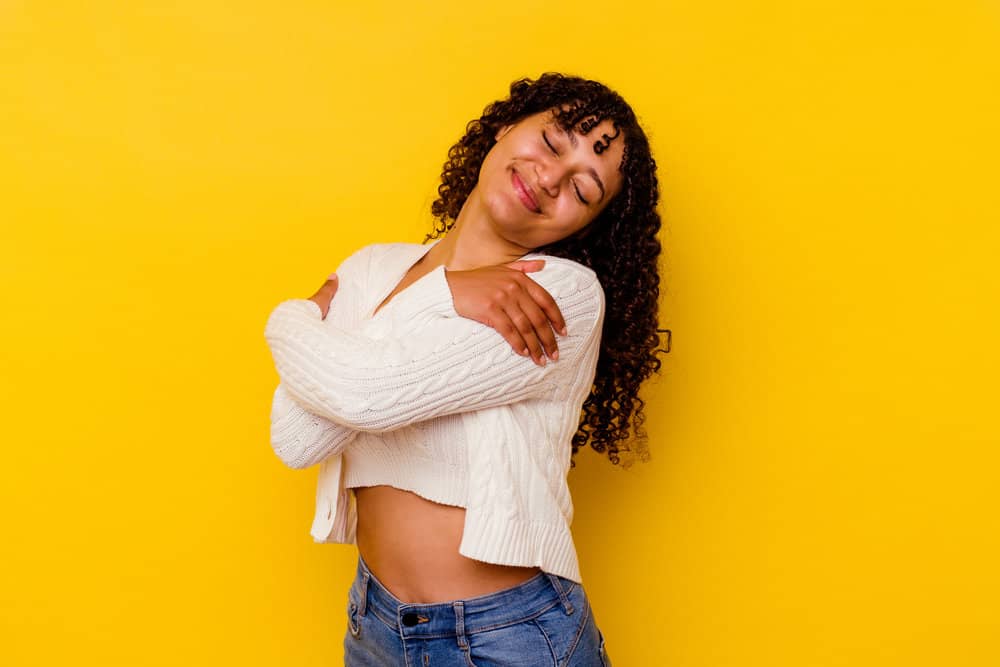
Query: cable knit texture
[417, 397]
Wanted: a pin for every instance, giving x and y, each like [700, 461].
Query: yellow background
[823, 488]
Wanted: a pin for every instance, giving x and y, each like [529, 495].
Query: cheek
[566, 223]
[486, 169]
[573, 216]
[498, 195]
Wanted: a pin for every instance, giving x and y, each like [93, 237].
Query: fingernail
[524, 352]
[555, 355]
[563, 331]
[332, 276]
[543, 361]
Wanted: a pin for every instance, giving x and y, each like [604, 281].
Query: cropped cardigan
[417, 397]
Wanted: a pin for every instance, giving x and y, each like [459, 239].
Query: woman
[428, 384]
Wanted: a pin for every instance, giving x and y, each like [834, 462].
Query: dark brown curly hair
[620, 245]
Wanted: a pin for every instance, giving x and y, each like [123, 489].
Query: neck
[473, 241]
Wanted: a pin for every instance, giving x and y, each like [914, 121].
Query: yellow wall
[823, 489]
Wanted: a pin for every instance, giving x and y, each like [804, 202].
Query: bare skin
[411, 543]
[411, 546]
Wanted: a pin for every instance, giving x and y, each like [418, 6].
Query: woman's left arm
[517, 307]
[301, 439]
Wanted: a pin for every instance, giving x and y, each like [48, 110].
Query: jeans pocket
[523, 643]
[566, 633]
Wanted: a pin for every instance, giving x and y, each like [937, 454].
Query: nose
[549, 174]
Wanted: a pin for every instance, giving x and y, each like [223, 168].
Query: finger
[329, 288]
[527, 330]
[500, 321]
[548, 305]
[527, 265]
[540, 324]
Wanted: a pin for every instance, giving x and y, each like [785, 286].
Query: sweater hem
[504, 541]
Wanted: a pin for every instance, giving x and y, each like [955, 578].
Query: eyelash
[551, 148]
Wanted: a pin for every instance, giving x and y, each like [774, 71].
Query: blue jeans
[545, 621]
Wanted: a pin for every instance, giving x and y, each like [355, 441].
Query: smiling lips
[524, 194]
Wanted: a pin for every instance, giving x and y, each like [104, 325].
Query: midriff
[411, 546]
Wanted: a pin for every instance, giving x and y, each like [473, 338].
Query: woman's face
[541, 184]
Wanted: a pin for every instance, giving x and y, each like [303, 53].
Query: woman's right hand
[503, 298]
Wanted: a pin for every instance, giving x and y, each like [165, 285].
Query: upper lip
[530, 191]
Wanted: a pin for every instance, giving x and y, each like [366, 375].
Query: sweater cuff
[306, 307]
[435, 297]
[289, 311]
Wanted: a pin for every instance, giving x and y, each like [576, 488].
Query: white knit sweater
[420, 398]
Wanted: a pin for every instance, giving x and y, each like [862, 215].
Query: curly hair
[620, 245]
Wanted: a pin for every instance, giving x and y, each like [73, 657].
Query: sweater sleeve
[437, 365]
[298, 437]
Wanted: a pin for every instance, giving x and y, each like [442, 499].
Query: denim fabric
[546, 621]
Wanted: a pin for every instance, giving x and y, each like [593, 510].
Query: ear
[502, 131]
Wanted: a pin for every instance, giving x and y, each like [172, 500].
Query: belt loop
[459, 607]
[563, 593]
[363, 604]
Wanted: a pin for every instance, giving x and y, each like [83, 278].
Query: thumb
[527, 265]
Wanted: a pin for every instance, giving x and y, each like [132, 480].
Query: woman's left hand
[324, 295]
[521, 310]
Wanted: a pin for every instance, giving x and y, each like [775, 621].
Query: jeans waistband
[460, 617]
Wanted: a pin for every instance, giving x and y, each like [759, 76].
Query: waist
[412, 545]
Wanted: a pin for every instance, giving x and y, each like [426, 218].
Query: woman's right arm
[501, 297]
[446, 365]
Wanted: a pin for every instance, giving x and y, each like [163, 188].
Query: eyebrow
[590, 170]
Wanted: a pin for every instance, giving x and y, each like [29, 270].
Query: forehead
[603, 142]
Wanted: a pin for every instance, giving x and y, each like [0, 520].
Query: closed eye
[551, 147]
[555, 152]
